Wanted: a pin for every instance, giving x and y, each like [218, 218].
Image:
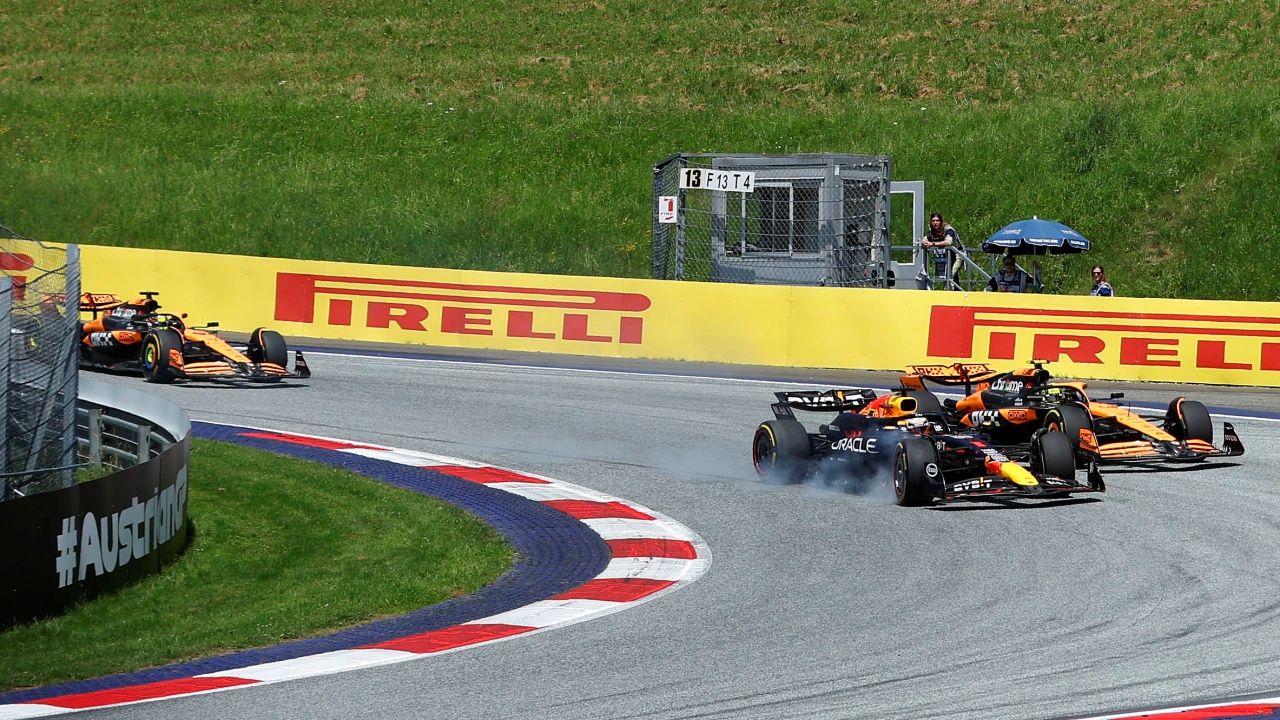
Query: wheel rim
[149, 354]
[764, 453]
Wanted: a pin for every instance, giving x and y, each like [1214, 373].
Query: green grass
[283, 549]
[520, 136]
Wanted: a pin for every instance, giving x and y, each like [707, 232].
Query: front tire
[157, 347]
[268, 346]
[1056, 456]
[1189, 420]
[780, 451]
[1069, 420]
[915, 471]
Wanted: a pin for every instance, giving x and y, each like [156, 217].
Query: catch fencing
[784, 220]
[39, 319]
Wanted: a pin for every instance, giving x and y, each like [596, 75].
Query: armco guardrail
[124, 427]
[94, 537]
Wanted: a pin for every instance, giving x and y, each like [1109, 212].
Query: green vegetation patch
[518, 137]
[283, 549]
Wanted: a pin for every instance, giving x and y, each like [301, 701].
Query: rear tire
[268, 346]
[1189, 420]
[1056, 456]
[780, 451]
[1069, 419]
[915, 471]
[157, 346]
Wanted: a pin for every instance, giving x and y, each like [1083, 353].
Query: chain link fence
[39, 319]
[785, 220]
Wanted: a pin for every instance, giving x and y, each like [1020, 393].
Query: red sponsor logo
[1207, 342]
[12, 263]
[516, 312]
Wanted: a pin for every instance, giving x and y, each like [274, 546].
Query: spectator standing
[1101, 287]
[1010, 277]
[942, 241]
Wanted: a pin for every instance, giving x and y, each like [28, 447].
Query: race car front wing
[1157, 451]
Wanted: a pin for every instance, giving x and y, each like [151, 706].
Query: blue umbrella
[1035, 237]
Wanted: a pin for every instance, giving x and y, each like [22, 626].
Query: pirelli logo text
[592, 316]
[13, 265]
[1154, 339]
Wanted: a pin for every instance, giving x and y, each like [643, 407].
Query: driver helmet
[916, 423]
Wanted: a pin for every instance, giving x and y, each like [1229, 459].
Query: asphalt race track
[818, 604]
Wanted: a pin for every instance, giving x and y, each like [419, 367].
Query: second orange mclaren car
[1010, 406]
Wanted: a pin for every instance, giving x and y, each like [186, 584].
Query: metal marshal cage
[782, 220]
[39, 294]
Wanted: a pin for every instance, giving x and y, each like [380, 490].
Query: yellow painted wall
[1120, 338]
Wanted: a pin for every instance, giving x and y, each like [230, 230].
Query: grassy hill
[515, 136]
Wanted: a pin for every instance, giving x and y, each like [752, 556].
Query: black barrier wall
[69, 545]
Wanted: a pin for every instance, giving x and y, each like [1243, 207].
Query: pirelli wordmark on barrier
[15, 266]
[457, 308]
[1235, 343]
[1174, 346]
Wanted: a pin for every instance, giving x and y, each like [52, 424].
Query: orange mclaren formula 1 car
[1010, 406]
[132, 335]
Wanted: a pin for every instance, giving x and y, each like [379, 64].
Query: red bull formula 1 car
[133, 336]
[1011, 406]
[888, 441]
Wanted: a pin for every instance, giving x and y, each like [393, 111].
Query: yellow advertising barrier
[1235, 343]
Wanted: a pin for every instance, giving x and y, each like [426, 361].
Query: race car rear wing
[956, 374]
[837, 400]
[98, 303]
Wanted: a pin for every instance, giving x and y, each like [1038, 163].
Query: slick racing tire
[1069, 419]
[1189, 420]
[156, 348]
[268, 346]
[781, 451]
[1056, 456]
[916, 471]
